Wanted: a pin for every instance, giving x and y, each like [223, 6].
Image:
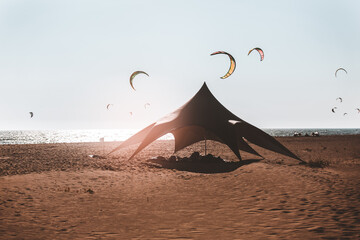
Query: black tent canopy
[203, 117]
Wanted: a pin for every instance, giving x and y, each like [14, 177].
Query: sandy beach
[56, 191]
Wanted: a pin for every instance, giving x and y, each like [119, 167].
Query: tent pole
[205, 146]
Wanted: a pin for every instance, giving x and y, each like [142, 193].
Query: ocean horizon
[110, 135]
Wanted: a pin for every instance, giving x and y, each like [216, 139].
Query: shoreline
[87, 136]
[276, 137]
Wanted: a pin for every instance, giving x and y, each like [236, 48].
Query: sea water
[94, 135]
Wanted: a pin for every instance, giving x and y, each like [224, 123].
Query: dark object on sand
[318, 164]
[315, 134]
[97, 156]
[90, 191]
[204, 118]
[197, 163]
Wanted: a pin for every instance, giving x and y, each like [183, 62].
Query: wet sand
[56, 191]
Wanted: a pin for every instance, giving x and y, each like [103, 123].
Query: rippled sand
[56, 191]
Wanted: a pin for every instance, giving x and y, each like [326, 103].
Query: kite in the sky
[333, 109]
[146, 105]
[134, 75]
[344, 114]
[31, 114]
[107, 106]
[339, 98]
[232, 63]
[260, 51]
[339, 70]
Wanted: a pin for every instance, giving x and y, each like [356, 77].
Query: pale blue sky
[66, 60]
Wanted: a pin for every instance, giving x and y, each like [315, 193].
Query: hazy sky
[66, 60]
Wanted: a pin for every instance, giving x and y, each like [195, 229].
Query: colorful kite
[260, 51]
[232, 63]
[134, 75]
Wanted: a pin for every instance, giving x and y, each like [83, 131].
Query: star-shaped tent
[203, 117]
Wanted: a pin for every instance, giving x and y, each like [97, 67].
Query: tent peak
[204, 86]
[205, 91]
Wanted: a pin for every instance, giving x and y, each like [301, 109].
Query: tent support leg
[205, 146]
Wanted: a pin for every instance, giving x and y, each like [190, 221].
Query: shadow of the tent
[199, 167]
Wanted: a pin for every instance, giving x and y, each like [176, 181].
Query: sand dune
[54, 191]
